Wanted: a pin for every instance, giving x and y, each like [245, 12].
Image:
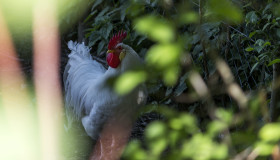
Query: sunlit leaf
[224, 115]
[221, 152]
[273, 62]
[163, 55]
[129, 80]
[249, 49]
[188, 122]
[134, 151]
[157, 29]
[267, 44]
[216, 127]
[176, 123]
[156, 137]
[201, 147]
[252, 34]
[270, 132]
[173, 136]
[170, 75]
[155, 130]
[264, 148]
[158, 145]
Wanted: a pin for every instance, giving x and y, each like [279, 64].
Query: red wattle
[113, 60]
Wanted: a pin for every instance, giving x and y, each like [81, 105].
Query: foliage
[199, 55]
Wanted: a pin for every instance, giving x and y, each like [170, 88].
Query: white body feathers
[87, 95]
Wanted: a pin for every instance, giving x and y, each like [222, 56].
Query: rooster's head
[115, 54]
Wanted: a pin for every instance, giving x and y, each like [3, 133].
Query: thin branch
[202, 41]
[243, 34]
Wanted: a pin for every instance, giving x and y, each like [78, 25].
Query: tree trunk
[275, 95]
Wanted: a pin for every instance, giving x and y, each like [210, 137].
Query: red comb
[117, 38]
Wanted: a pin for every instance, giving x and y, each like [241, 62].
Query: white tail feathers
[79, 48]
[79, 76]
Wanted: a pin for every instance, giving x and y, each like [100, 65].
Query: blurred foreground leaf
[129, 80]
[225, 10]
[157, 29]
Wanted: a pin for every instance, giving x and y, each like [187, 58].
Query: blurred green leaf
[176, 123]
[270, 132]
[134, 151]
[170, 75]
[156, 135]
[224, 115]
[263, 148]
[189, 122]
[157, 146]
[243, 138]
[201, 147]
[163, 55]
[156, 28]
[155, 130]
[129, 80]
[189, 17]
[174, 136]
[215, 127]
[226, 10]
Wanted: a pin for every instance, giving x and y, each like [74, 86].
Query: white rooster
[88, 96]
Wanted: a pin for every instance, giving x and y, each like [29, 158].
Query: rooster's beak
[110, 51]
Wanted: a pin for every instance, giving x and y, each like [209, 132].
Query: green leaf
[155, 130]
[129, 80]
[259, 42]
[263, 148]
[164, 55]
[225, 10]
[189, 17]
[267, 43]
[251, 17]
[202, 147]
[96, 3]
[156, 28]
[224, 115]
[170, 75]
[93, 38]
[106, 30]
[273, 62]
[183, 121]
[134, 151]
[252, 34]
[270, 132]
[249, 49]
[100, 47]
[216, 127]
[254, 67]
[278, 33]
[265, 26]
[243, 138]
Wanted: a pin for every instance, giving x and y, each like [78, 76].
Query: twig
[202, 42]
[243, 34]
